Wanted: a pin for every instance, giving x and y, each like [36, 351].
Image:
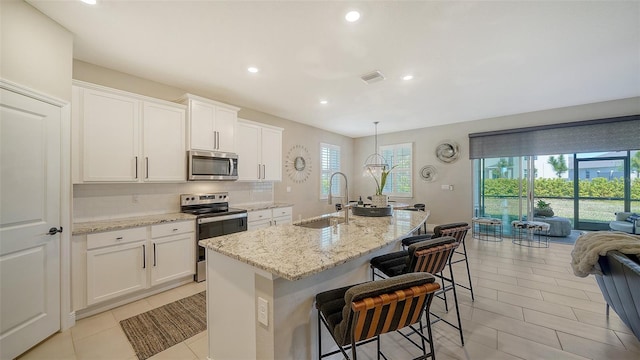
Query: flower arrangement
[383, 179]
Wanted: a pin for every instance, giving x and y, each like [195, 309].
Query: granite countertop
[261, 206]
[124, 223]
[294, 252]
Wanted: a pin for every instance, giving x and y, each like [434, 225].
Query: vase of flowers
[379, 199]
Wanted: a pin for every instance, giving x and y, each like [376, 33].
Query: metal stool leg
[466, 261]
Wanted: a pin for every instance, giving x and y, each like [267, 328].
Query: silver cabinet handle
[154, 254]
[258, 171]
[147, 171]
[144, 256]
[264, 172]
[218, 139]
[136, 167]
[119, 238]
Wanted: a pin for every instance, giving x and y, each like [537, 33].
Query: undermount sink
[322, 222]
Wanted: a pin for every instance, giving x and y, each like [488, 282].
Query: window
[399, 182]
[329, 163]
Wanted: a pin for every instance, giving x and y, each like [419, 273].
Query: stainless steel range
[215, 218]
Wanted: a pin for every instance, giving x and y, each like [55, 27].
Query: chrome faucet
[346, 196]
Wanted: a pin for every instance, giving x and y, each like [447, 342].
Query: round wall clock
[428, 173]
[298, 164]
[447, 151]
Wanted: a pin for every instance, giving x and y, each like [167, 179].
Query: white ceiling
[470, 60]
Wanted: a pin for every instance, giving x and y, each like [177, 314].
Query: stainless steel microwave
[210, 165]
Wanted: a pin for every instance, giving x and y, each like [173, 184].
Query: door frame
[67, 317]
[626, 160]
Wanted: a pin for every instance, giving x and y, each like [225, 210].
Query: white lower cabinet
[115, 270]
[125, 261]
[173, 257]
[260, 219]
[283, 216]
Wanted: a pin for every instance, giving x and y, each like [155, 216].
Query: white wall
[36, 51]
[450, 206]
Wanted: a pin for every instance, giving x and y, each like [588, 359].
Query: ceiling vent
[372, 77]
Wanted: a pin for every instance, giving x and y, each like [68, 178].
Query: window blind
[329, 163]
[400, 180]
[610, 134]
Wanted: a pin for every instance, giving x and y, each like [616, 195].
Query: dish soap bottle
[360, 201]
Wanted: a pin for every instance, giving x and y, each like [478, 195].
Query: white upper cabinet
[259, 151]
[164, 143]
[110, 126]
[211, 124]
[123, 137]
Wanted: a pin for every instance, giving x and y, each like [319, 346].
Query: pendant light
[375, 163]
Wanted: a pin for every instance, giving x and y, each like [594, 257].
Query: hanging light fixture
[375, 163]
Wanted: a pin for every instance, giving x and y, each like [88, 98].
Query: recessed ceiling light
[90, 2]
[352, 16]
[407, 77]
[252, 69]
[324, 102]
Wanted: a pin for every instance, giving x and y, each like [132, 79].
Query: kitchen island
[283, 267]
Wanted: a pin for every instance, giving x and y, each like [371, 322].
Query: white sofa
[621, 223]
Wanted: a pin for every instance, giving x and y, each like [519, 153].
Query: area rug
[156, 330]
[570, 239]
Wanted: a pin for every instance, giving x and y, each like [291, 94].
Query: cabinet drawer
[116, 237]
[286, 211]
[259, 215]
[172, 228]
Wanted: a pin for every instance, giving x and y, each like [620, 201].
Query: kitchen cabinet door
[249, 167]
[172, 257]
[212, 125]
[110, 125]
[225, 125]
[271, 144]
[116, 270]
[164, 149]
[202, 125]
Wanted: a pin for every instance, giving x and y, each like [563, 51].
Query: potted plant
[543, 209]
[380, 200]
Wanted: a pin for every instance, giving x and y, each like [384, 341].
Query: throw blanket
[592, 245]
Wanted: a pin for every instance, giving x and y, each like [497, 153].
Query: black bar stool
[356, 315]
[430, 256]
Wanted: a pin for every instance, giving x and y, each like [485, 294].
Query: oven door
[208, 165]
[214, 226]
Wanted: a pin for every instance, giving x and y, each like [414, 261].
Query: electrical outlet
[263, 311]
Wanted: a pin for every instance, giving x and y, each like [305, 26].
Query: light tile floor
[528, 305]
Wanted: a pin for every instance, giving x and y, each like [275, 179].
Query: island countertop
[294, 252]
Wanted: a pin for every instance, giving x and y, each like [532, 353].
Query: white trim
[186, 97]
[23, 90]
[66, 201]
[87, 85]
[250, 122]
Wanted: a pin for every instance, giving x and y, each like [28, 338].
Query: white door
[164, 143]
[29, 207]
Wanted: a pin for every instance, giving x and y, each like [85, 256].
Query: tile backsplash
[93, 202]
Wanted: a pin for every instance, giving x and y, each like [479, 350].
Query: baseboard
[68, 321]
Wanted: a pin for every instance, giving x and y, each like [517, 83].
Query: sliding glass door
[585, 188]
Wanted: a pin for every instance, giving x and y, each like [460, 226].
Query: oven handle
[221, 218]
[231, 166]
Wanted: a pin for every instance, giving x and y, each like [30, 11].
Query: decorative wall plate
[298, 164]
[428, 173]
[447, 151]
